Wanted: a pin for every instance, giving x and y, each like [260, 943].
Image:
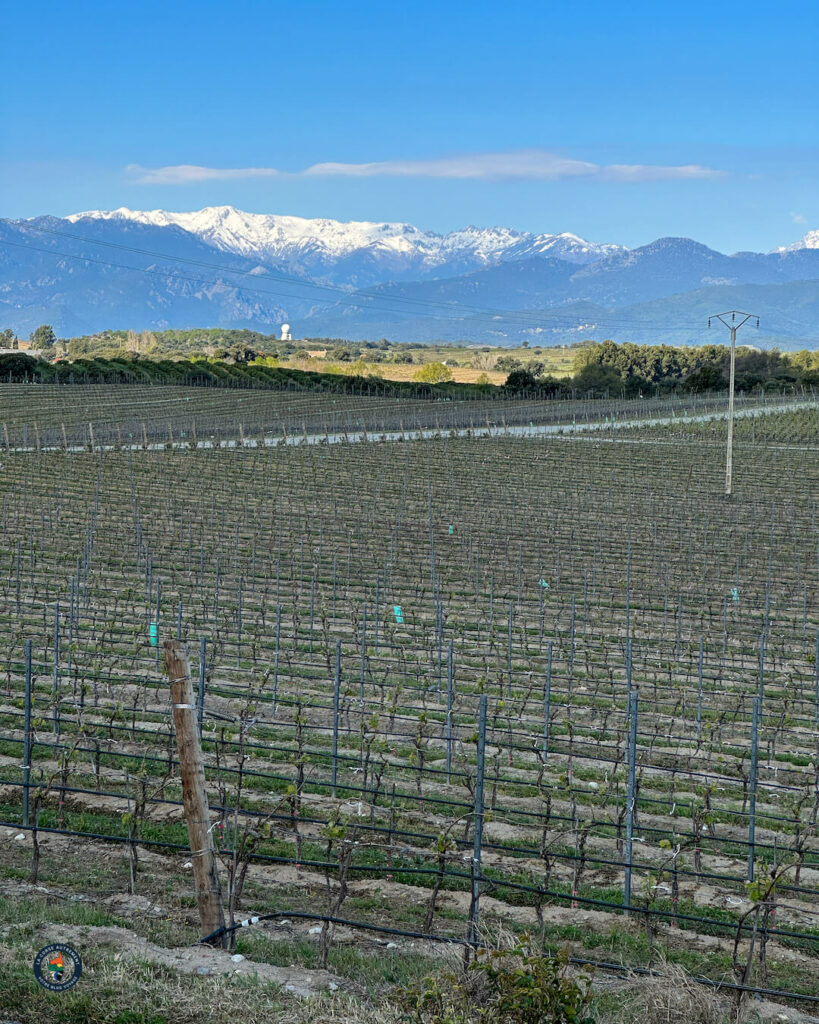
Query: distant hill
[222, 267]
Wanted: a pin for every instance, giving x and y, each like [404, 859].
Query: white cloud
[798, 218]
[525, 165]
[521, 165]
[657, 172]
[188, 174]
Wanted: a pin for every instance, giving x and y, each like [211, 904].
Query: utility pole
[733, 325]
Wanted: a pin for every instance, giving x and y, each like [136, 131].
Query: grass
[370, 966]
[117, 990]
[558, 363]
[114, 991]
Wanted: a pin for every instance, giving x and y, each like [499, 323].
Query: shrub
[596, 379]
[506, 364]
[520, 380]
[18, 366]
[433, 373]
[515, 986]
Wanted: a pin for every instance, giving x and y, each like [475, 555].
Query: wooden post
[194, 794]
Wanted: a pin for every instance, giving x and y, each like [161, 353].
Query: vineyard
[446, 683]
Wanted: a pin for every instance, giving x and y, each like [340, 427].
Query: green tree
[43, 337]
[706, 378]
[8, 339]
[520, 380]
[505, 364]
[587, 352]
[433, 373]
[19, 366]
[598, 379]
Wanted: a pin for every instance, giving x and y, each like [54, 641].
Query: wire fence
[141, 416]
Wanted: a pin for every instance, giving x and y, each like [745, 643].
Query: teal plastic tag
[735, 595]
[452, 529]
[399, 615]
[154, 631]
[543, 583]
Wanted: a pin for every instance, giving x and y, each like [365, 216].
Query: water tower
[285, 333]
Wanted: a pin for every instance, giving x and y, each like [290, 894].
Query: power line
[341, 295]
[336, 290]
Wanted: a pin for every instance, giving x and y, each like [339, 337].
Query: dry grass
[390, 371]
[670, 996]
[558, 362]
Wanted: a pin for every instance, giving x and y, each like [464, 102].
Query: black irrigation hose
[400, 666]
[534, 738]
[228, 689]
[577, 961]
[228, 929]
[466, 844]
[488, 880]
[685, 774]
[646, 971]
[319, 666]
[643, 800]
[363, 790]
[515, 699]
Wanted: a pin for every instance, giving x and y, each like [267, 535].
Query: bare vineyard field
[44, 416]
[356, 603]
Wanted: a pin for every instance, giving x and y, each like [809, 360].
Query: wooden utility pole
[194, 794]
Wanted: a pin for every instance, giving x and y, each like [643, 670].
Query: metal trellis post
[757, 704]
[474, 910]
[27, 738]
[200, 693]
[336, 700]
[450, 694]
[630, 794]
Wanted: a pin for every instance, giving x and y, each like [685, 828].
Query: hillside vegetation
[252, 360]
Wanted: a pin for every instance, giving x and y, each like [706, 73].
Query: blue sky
[619, 121]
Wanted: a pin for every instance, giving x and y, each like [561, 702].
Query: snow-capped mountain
[365, 280]
[808, 241]
[356, 253]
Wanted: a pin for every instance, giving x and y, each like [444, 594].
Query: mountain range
[360, 280]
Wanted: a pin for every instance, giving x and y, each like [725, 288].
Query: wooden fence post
[194, 794]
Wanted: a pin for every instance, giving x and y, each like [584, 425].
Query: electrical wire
[369, 300]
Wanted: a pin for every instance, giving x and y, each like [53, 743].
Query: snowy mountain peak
[808, 241]
[357, 252]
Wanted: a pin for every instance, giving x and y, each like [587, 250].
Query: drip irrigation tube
[487, 880]
[577, 961]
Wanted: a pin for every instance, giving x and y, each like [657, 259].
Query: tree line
[633, 370]
[599, 369]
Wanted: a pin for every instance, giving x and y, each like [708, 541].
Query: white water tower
[285, 333]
